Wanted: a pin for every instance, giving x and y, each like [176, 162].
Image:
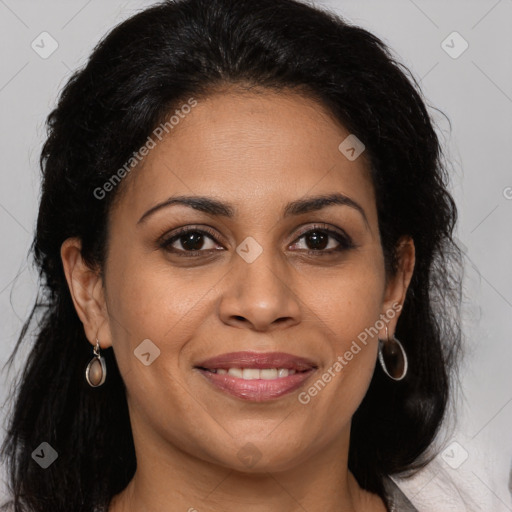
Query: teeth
[250, 373]
[256, 373]
[236, 372]
[268, 373]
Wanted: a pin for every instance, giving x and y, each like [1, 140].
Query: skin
[258, 151]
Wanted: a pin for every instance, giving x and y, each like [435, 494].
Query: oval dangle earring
[96, 370]
[392, 357]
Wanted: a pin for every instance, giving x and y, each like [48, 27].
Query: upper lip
[258, 360]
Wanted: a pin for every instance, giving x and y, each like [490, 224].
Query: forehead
[256, 150]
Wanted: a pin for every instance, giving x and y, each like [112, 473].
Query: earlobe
[86, 288]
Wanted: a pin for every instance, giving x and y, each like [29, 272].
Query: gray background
[474, 90]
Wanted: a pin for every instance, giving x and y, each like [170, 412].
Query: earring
[392, 357]
[96, 370]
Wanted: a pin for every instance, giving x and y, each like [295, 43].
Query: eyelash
[345, 242]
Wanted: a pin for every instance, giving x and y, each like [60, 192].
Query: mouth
[257, 376]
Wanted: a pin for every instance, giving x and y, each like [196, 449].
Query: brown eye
[190, 242]
[317, 240]
[321, 240]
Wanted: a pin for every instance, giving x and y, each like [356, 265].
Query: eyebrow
[214, 207]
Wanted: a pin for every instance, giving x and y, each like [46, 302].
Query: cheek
[349, 320]
[153, 311]
[155, 302]
[349, 299]
[347, 306]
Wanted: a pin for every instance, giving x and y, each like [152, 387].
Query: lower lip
[256, 390]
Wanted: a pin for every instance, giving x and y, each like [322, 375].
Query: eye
[190, 242]
[320, 240]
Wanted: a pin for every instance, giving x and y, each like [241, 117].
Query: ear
[86, 288]
[397, 285]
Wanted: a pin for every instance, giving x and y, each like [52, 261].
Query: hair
[134, 77]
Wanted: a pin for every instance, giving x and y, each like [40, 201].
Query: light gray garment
[398, 501]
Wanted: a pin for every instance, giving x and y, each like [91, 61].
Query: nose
[260, 295]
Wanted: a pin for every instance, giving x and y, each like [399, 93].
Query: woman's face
[253, 283]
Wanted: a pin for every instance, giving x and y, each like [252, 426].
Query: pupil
[192, 241]
[319, 240]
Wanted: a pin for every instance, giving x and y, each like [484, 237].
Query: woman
[244, 208]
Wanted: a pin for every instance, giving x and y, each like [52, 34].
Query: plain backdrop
[461, 54]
